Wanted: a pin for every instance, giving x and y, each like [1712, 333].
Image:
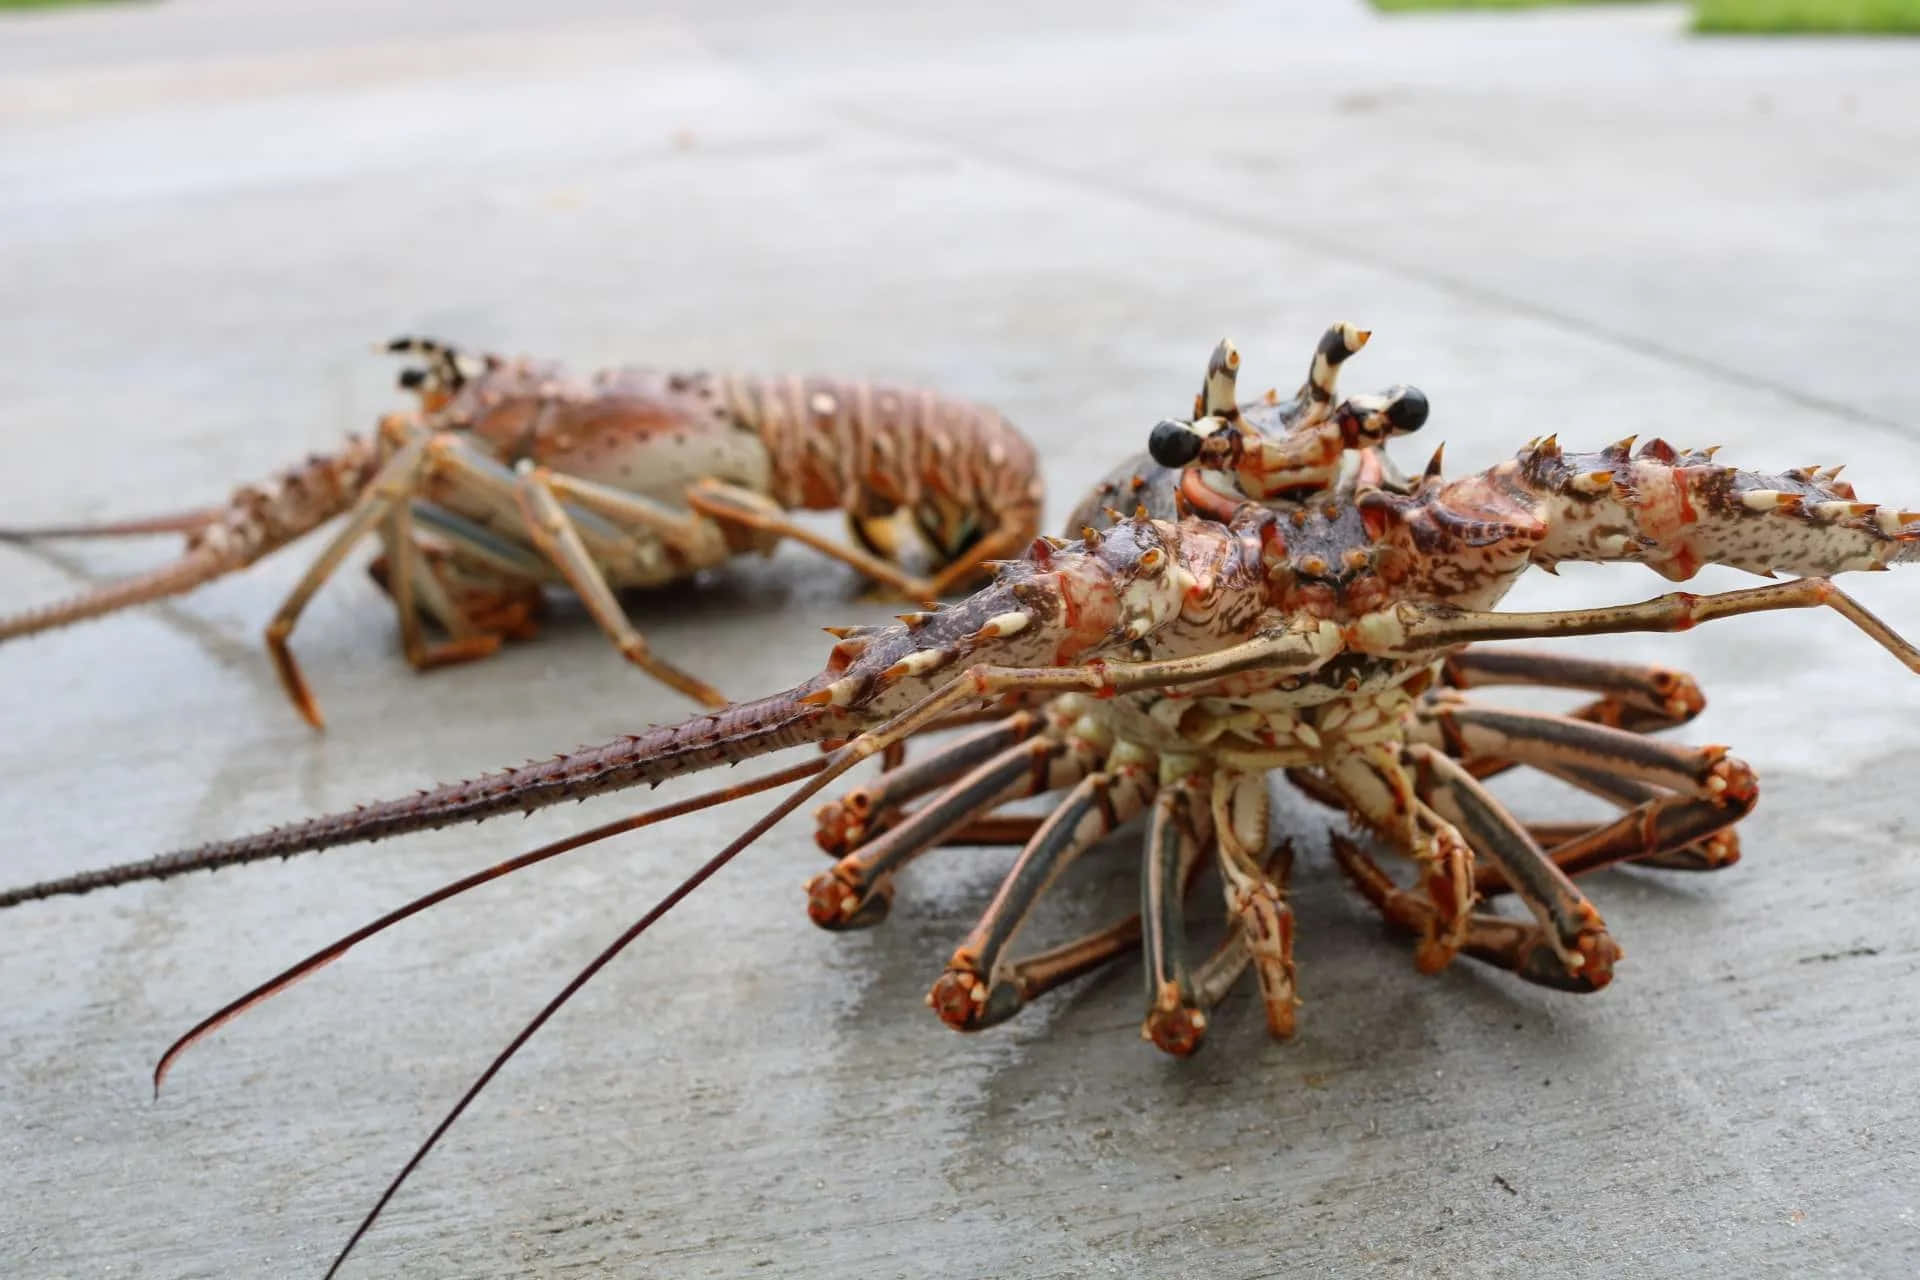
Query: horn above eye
[1174, 443]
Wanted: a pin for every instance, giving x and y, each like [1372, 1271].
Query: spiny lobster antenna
[1218, 397]
[831, 767]
[340, 946]
[176, 522]
[199, 565]
[1336, 344]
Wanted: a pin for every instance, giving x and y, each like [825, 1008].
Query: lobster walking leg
[555, 533]
[846, 822]
[1256, 903]
[411, 579]
[746, 509]
[1519, 946]
[858, 890]
[1374, 783]
[1635, 697]
[393, 483]
[1176, 1020]
[1635, 772]
[1569, 922]
[1681, 799]
[982, 985]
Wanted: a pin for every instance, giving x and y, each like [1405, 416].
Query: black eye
[1174, 444]
[1408, 412]
[412, 379]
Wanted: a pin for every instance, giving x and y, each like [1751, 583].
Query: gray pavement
[1584, 222]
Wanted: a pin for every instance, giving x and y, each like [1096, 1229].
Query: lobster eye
[1406, 410]
[1174, 444]
[412, 379]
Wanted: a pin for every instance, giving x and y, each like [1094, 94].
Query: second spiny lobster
[516, 475]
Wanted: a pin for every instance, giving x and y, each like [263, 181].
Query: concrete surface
[1584, 221]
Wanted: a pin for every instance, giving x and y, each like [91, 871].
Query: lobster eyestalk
[1061, 602]
[258, 519]
[1676, 511]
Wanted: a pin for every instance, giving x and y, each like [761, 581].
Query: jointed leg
[982, 984]
[393, 484]
[1178, 831]
[1568, 920]
[1519, 946]
[844, 823]
[1680, 799]
[553, 531]
[1638, 698]
[858, 890]
[1000, 544]
[746, 509]
[1375, 784]
[415, 588]
[1256, 904]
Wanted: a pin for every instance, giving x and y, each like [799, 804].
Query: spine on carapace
[258, 518]
[1676, 510]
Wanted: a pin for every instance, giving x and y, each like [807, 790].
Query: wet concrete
[1581, 222]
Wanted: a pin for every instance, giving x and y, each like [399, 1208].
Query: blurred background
[1589, 219]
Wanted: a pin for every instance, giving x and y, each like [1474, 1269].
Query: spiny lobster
[1177, 661]
[516, 475]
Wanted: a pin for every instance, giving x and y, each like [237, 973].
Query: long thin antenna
[832, 766]
[339, 947]
[175, 522]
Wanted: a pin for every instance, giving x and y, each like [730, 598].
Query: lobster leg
[1256, 902]
[1374, 783]
[556, 535]
[1570, 924]
[1638, 698]
[844, 823]
[1175, 1020]
[981, 985]
[411, 580]
[1520, 946]
[1000, 544]
[693, 537]
[746, 509]
[1680, 799]
[858, 890]
[469, 579]
[393, 483]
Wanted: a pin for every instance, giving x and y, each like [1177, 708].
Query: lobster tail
[259, 518]
[1676, 510]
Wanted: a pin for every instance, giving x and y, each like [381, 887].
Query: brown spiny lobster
[515, 475]
[1166, 664]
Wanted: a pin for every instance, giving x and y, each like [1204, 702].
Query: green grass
[1858, 16]
[1769, 16]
